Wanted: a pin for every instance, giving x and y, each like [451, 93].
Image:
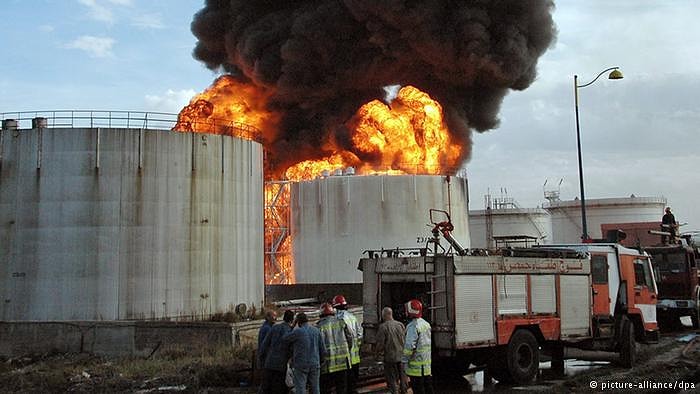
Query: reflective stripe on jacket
[336, 338]
[356, 331]
[417, 347]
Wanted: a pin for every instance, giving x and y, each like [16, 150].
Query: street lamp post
[615, 73]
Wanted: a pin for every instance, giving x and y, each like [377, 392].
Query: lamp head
[615, 74]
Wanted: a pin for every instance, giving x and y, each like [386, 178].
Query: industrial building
[127, 223]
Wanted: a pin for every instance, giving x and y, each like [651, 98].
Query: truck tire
[628, 346]
[523, 357]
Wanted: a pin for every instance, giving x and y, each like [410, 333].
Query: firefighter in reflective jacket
[341, 306]
[337, 338]
[416, 351]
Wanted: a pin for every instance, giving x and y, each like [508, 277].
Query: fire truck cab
[499, 310]
[622, 284]
[678, 280]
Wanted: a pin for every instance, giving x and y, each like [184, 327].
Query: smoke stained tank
[566, 215]
[128, 224]
[335, 219]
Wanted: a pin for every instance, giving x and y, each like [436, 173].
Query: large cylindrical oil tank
[513, 226]
[336, 218]
[566, 215]
[109, 224]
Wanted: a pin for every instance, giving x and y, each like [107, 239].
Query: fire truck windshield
[673, 263]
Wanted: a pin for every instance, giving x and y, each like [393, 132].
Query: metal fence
[130, 120]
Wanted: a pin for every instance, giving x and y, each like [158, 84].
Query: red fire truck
[678, 282]
[675, 261]
[499, 310]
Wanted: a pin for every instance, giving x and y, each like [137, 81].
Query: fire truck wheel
[628, 347]
[523, 356]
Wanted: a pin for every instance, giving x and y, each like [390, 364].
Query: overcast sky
[640, 135]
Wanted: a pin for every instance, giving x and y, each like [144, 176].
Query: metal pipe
[97, 150]
[140, 149]
[39, 148]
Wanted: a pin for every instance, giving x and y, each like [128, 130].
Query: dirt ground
[659, 367]
[173, 370]
[669, 362]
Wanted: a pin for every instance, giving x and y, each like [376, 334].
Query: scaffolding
[279, 267]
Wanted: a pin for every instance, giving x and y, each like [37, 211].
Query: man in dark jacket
[270, 317]
[669, 224]
[307, 354]
[275, 356]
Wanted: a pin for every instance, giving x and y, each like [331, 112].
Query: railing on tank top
[130, 120]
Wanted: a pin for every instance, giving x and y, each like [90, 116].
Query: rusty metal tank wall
[128, 224]
[335, 219]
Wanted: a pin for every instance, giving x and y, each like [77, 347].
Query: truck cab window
[599, 268]
[642, 273]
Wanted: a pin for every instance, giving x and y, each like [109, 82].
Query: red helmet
[327, 309]
[414, 308]
[339, 300]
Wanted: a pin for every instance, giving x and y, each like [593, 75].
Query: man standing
[307, 354]
[416, 351]
[270, 318]
[337, 341]
[669, 224]
[341, 306]
[390, 341]
[275, 356]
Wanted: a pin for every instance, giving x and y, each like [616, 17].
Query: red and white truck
[500, 310]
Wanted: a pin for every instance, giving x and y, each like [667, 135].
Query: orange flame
[410, 136]
[232, 108]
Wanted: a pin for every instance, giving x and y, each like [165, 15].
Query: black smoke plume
[324, 59]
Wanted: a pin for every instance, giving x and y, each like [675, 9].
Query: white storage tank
[511, 227]
[99, 223]
[566, 215]
[335, 219]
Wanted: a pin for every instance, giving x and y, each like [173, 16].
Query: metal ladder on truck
[436, 285]
[438, 274]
